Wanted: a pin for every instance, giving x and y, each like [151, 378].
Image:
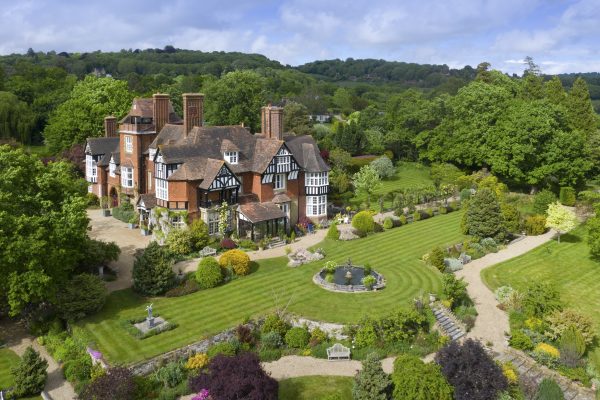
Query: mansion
[268, 180]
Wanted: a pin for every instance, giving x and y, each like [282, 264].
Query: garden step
[276, 243]
[457, 336]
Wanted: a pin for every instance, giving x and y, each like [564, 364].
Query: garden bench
[338, 352]
[208, 251]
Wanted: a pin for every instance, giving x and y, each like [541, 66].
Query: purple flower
[96, 355]
[202, 395]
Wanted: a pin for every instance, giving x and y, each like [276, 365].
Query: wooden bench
[338, 352]
[208, 251]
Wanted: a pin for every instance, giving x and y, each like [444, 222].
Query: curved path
[491, 322]
[490, 325]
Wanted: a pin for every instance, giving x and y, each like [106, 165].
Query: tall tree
[16, 118]
[45, 208]
[555, 92]
[580, 110]
[234, 99]
[295, 119]
[82, 115]
[366, 181]
[30, 374]
[560, 218]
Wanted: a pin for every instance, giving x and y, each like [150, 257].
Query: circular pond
[349, 278]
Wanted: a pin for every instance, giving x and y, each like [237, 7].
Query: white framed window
[112, 168]
[284, 163]
[231, 157]
[285, 207]
[91, 171]
[316, 205]
[316, 179]
[177, 221]
[162, 189]
[127, 177]
[279, 181]
[213, 223]
[128, 144]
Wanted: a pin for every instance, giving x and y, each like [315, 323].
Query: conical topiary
[549, 390]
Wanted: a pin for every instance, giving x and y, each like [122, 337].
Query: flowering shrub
[238, 260]
[509, 371]
[547, 349]
[503, 294]
[204, 394]
[197, 361]
[546, 354]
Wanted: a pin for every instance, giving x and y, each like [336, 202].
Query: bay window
[127, 177]
[316, 205]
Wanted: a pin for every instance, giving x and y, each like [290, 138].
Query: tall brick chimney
[160, 110]
[110, 126]
[193, 111]
[271, 122]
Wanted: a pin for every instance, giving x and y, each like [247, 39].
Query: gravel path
[491, 323]
[111, 229]
[56, 386]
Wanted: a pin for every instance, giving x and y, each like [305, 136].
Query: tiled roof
[281, 198]
[258, 212]
[198, 168]
[147, 200]
[306, 152]
[103, 145]
[144, 107]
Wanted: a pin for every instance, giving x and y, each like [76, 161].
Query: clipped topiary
[363, 223]
[567, 196]
[237, 260]
[209, 273]
[333, 232]
[436, 258]
[535, 225]
[297, 337]
[549, 390]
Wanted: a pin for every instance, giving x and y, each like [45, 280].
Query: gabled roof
[102, 145]
[306, 152]
[198, 168]
[146, 201]
[255, 152]
[144, 107]
[258, 212]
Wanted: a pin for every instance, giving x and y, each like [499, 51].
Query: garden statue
[149, 318]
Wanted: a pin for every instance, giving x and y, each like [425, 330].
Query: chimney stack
[160, 110]
[271, 122]
[193, 111]
[110, 126]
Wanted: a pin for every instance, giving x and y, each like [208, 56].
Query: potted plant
[104, 202]
[133, 221]
[144, 229]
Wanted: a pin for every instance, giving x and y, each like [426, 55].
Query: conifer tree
[30, 374]
[484, 217]
[555, 92]
[371, 383]
[579, 107]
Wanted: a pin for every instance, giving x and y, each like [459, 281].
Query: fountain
[348, 278]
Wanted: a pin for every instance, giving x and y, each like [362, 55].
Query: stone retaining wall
[148, 366]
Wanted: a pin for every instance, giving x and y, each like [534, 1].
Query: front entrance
[114, 197]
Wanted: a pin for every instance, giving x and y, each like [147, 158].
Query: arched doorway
[114, 197]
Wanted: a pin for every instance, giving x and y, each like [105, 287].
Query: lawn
[316, 387]
[395, 253]
[408, 175]
[568, 265]
[8, 359]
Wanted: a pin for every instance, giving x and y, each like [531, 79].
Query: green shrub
[483, 217]
[273, 323]
[415, 380]
[436, 258]
[333, 232]
[78, 369]
[268, 355]
[535, 225]
[549, 390]
[236, 259]
[443, 210]
[388, 223]
[92, 200]
[402, 219]
[366, 334]
[248, 244]
[519, 340]
[465, 194]
[171, 374]
[271, 340]
[179, 241]
[363, 223]
[199, 234]
[297, 337]
[572, 347]
[559, 321]
[542, 200]
[369, 281]
[124, 212]
[83, 295]
[489, 245]
[511, 216]
[225, 348]
[29, 374]
[417, 216]
[317, 336]
[567, 196]
[209, 273]
[541, 299]
[153, 271]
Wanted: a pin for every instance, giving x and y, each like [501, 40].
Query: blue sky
[561, 35]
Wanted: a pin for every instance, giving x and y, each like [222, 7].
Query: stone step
[276, 243]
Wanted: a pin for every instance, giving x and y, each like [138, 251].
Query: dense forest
[470, 117]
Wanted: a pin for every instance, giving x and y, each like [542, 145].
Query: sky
[560, 35]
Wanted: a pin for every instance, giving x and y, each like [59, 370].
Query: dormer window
[112, 168]
[231, 157]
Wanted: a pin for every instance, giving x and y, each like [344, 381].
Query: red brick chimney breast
[160, 110]
[193, 111]
[110, 126]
